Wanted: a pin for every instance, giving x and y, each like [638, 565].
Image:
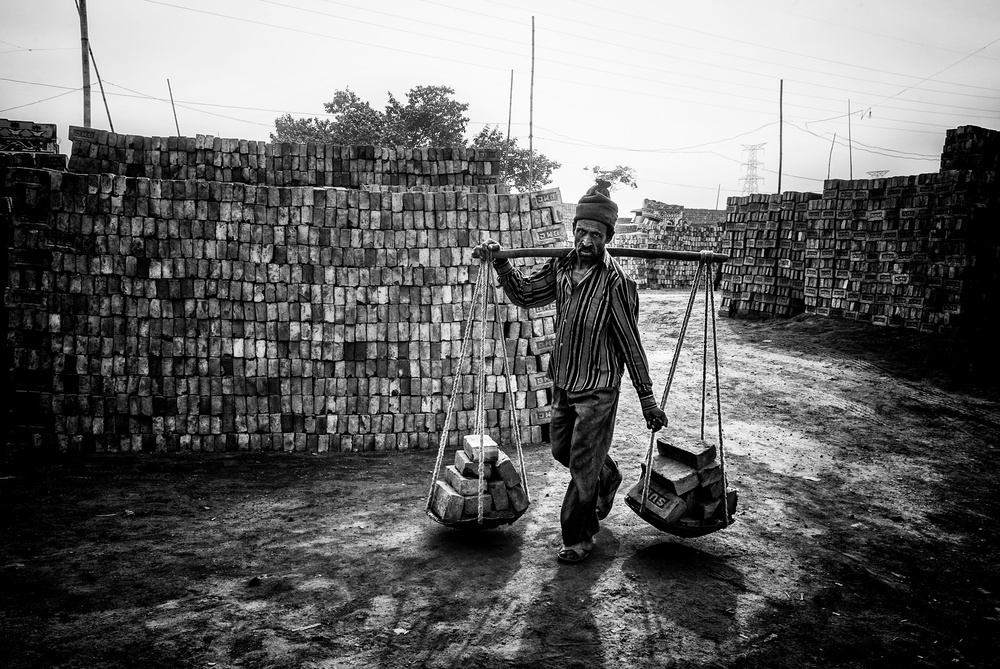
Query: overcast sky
[675, 90]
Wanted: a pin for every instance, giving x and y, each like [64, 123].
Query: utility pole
[781, 128]
[531, 113]
[829, 161]
[172, 106]
[510, 112]
[85, 53]
[850, 145]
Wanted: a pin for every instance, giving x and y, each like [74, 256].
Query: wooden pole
[850, 145]
[830, 160]
[531, 113]
[656, 254]
[176, 125]
[781, 128]
[85, 53]
[510, 112]
[100, 84]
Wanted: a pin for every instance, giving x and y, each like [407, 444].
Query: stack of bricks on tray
[483, 479]
[686, 486]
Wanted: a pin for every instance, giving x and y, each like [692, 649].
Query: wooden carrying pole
[656, 254]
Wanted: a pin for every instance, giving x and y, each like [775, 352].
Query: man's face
[589, 239]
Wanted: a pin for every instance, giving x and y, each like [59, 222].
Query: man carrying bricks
[597, 337]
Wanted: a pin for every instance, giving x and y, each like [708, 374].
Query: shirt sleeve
[625, 328]
[535, 290]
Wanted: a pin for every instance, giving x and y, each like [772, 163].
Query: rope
[515, 427]
[484, 294]
[466, 338]
[670, 380]
[718, 412]
[481, 393]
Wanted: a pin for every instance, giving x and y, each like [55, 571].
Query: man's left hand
[655, 418]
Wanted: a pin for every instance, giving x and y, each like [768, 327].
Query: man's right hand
[486, 249]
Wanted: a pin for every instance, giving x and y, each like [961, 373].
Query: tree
[429, 118]
[619, 176]
[516, 164]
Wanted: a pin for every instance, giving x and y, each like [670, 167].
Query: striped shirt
[597, 331]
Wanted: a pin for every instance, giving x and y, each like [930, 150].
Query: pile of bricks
[920, 252]
[765, 238]
[664, 226]
[971, 148]
[686, 485]
[208, 158]
[482, 482]
[30, 144]
[161, 315]
[903, 251]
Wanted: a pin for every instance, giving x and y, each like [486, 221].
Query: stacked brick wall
[261, 163]
[160, 315]
[916, 251]
[662, 274]
[971, 148]
[765, 238]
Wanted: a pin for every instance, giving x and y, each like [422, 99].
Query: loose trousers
[580, 429]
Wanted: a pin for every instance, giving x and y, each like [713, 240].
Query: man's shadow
[684, 586]
[560, 627]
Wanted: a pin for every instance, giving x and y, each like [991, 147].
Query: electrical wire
[29, 104]
[479, 45]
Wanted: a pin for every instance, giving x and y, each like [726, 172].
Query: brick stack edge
[149, 314]
[919, 252]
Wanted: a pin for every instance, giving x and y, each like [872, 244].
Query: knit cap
[596, 205]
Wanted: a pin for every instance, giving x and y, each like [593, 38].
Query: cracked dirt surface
[865, 460]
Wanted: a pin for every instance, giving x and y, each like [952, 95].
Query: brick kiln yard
[865, 459]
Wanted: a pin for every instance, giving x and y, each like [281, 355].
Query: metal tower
[751, 178]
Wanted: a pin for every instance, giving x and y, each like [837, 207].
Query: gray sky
[675, 90]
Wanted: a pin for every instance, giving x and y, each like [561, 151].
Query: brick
[498, 491]
[674, 477]
[711, 473]
[664, 505]
[469, 467]
[481, 447]
[446, 503]
[703, 510]
[507, 471]
[464, 485]
[693, 453]
[518, 498]
[471, 507]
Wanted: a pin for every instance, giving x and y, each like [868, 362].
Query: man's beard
[587, 254]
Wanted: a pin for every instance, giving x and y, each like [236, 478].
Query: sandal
[605, 501]
[573, 555]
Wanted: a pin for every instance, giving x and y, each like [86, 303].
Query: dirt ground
[865, 460]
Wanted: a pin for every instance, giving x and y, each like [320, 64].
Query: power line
[29, 104]
[479, 45]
